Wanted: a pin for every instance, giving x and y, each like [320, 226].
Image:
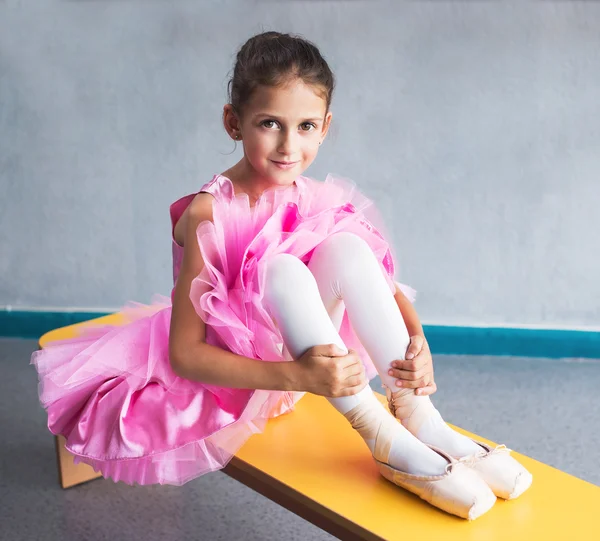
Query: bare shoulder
[201, 207]
[199, 210]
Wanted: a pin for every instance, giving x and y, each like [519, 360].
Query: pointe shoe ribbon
[458, 491]
[410, 409]
[471, 460]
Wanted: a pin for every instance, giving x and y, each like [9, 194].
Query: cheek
[258, 146]
[310, 150]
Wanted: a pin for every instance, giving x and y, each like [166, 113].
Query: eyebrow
[275, 117]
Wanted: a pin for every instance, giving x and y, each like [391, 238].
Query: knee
[345, 244]
[285, 275]
[342, 251]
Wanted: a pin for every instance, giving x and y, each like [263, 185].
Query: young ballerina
[268, 265]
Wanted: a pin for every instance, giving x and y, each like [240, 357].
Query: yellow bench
[312, 463]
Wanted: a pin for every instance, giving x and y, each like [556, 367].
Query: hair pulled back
[273, 59]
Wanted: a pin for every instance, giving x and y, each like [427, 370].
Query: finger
[354, 370]
[348, 391]
[359, 379]
[426, 391]
[350, 360]
[419, 362]
[413, 384]
[329, 350]
[352, 377]
[416, 345]
[408, 375]
[352, 383]
[324, 350]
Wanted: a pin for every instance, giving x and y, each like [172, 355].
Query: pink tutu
[111, 391]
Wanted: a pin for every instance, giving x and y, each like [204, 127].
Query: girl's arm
[190, 356]
[416, 371]
[409, 314]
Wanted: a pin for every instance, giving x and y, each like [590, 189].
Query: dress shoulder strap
[220, 187]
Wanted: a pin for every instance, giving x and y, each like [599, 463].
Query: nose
[287, 143]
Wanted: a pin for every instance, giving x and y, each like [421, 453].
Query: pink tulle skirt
[111, 391]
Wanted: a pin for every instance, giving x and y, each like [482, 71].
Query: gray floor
[547, 409]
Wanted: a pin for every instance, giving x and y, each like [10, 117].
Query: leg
[345, 268]
[292, 297]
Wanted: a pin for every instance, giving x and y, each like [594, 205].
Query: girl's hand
[416, 372]
[327, 371]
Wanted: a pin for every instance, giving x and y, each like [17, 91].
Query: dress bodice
[221, 188]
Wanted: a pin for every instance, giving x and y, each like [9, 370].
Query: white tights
[308, 304]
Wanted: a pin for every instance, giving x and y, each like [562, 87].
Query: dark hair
[272, 59]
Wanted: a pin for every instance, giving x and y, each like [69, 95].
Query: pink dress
[111, 391]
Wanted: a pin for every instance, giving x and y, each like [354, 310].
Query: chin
[283, 178]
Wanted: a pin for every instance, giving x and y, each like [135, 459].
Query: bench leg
[69, 473]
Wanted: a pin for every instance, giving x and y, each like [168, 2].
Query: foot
[504, 475]
[427, 472]
[507, 478]
[419, 416]
[403, 450]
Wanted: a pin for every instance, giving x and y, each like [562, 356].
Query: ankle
[397, 398]
[410, 409]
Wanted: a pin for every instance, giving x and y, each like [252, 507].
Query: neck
[245, 179]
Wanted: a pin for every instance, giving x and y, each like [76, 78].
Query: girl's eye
[269, 123]
[307, 126]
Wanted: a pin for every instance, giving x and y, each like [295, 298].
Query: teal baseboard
[455, 340]
[517, 342]
[33, 323]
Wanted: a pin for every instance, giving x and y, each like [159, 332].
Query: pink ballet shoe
[458, 491]
[503, 474]
[507, 478]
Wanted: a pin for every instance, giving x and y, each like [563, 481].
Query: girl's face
[281, 128]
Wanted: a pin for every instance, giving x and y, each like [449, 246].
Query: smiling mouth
[283, 163]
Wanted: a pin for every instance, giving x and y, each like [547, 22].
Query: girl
[269, 265]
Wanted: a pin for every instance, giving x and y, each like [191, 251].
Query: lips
[284, 165]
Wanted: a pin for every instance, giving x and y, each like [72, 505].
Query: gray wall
[474, 125]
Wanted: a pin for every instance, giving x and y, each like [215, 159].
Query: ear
[231, 122]
[326, 124]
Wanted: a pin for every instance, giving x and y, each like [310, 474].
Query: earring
[237, 136]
